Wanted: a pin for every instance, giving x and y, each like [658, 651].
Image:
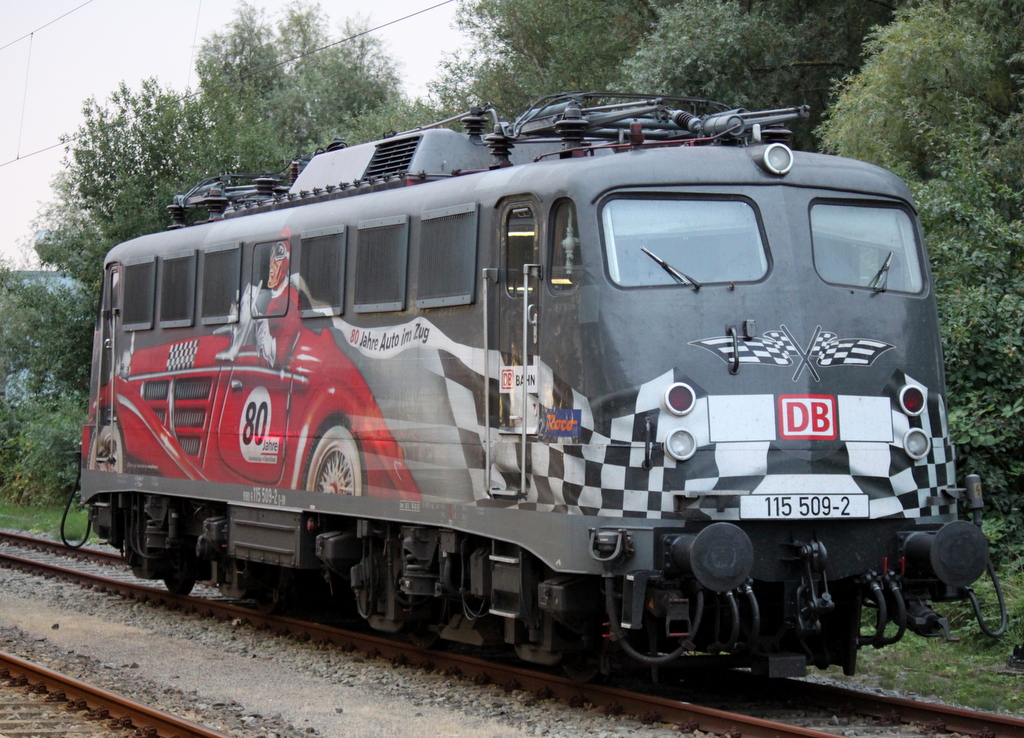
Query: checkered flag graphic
[765, 350]
[849, 351]
[182, 355]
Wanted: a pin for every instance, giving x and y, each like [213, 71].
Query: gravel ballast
[258, 685]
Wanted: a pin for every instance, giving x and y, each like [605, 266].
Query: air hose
[615, 627]
[67, 508]
[1002, 606]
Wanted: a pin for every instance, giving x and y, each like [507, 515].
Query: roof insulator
[215, 205]
[501, 146]
[177, 214]
[473, 122]
[264, 187]
[572, 126]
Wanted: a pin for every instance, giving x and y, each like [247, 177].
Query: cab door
[518, 318]
[106, 451]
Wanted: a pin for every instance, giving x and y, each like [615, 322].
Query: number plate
[769, 507]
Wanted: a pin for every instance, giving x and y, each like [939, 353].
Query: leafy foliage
[291, 84]
[39, 447]
[754, 55]
[266, 94]
[524, 49]
[939, 100]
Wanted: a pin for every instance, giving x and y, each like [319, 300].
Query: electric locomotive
[626, 375]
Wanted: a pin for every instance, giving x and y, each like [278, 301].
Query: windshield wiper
[881, 280]
[678, 275]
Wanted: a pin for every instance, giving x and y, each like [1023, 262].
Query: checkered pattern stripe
[182, 355]
[602, 472]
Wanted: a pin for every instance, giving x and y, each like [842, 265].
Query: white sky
[89, 52]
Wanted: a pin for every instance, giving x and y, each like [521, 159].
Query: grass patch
[961, 673]
[971, 672]
[44, 520]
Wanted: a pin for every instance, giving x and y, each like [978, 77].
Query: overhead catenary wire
[49, 23]
[197, 93]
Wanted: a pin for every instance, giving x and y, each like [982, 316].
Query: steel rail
[611, 699]
[119, 711]
[614, 701]
[58, 548]
[938, 718]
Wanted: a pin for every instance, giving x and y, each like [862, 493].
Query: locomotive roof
[558, 146]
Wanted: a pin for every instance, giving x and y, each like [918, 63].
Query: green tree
[291, 83]
[755, 55]
[939, 101]
[524, 49]
[266, 93]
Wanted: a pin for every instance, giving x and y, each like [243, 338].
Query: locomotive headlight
[912, 400]
[776, 158]
[680, 444]
[916, 443]
[679, 398]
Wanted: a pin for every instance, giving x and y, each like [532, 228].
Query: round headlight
[680, 444]
[912, 400]
[776, 158]
[679, 398]
[916, 443]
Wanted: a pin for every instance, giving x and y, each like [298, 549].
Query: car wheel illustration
[335, 467]
[107, 453]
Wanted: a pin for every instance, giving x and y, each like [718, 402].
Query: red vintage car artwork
[265, 400]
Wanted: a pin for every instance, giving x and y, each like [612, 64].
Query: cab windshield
[865, 246]
[706, 240]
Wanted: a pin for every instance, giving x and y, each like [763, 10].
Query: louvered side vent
[392, 157]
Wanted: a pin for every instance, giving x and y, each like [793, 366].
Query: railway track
[820, 705]
[39, 702]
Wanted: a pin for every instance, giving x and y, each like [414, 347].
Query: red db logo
[807, 417]
[508, 377]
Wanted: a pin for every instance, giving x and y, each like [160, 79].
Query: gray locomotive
[627, 375]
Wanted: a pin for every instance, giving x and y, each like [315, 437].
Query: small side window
[520, 247]
[322, 272]
[271, 268]
[178, 289]
[139, 293]
[566, 266]
[222, 272]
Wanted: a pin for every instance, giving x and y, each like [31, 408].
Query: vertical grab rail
[488, 274]
[527, 268]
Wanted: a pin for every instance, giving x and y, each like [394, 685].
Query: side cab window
[566, 265]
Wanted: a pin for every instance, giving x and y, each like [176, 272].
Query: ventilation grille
[189, 418]
[155, 390]
[189, 444]
[192, 389]
[447, 256]
[392, 157]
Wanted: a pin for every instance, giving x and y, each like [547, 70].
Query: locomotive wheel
[107, 452]
[179, 585]
[335, 467]
[582, 668]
